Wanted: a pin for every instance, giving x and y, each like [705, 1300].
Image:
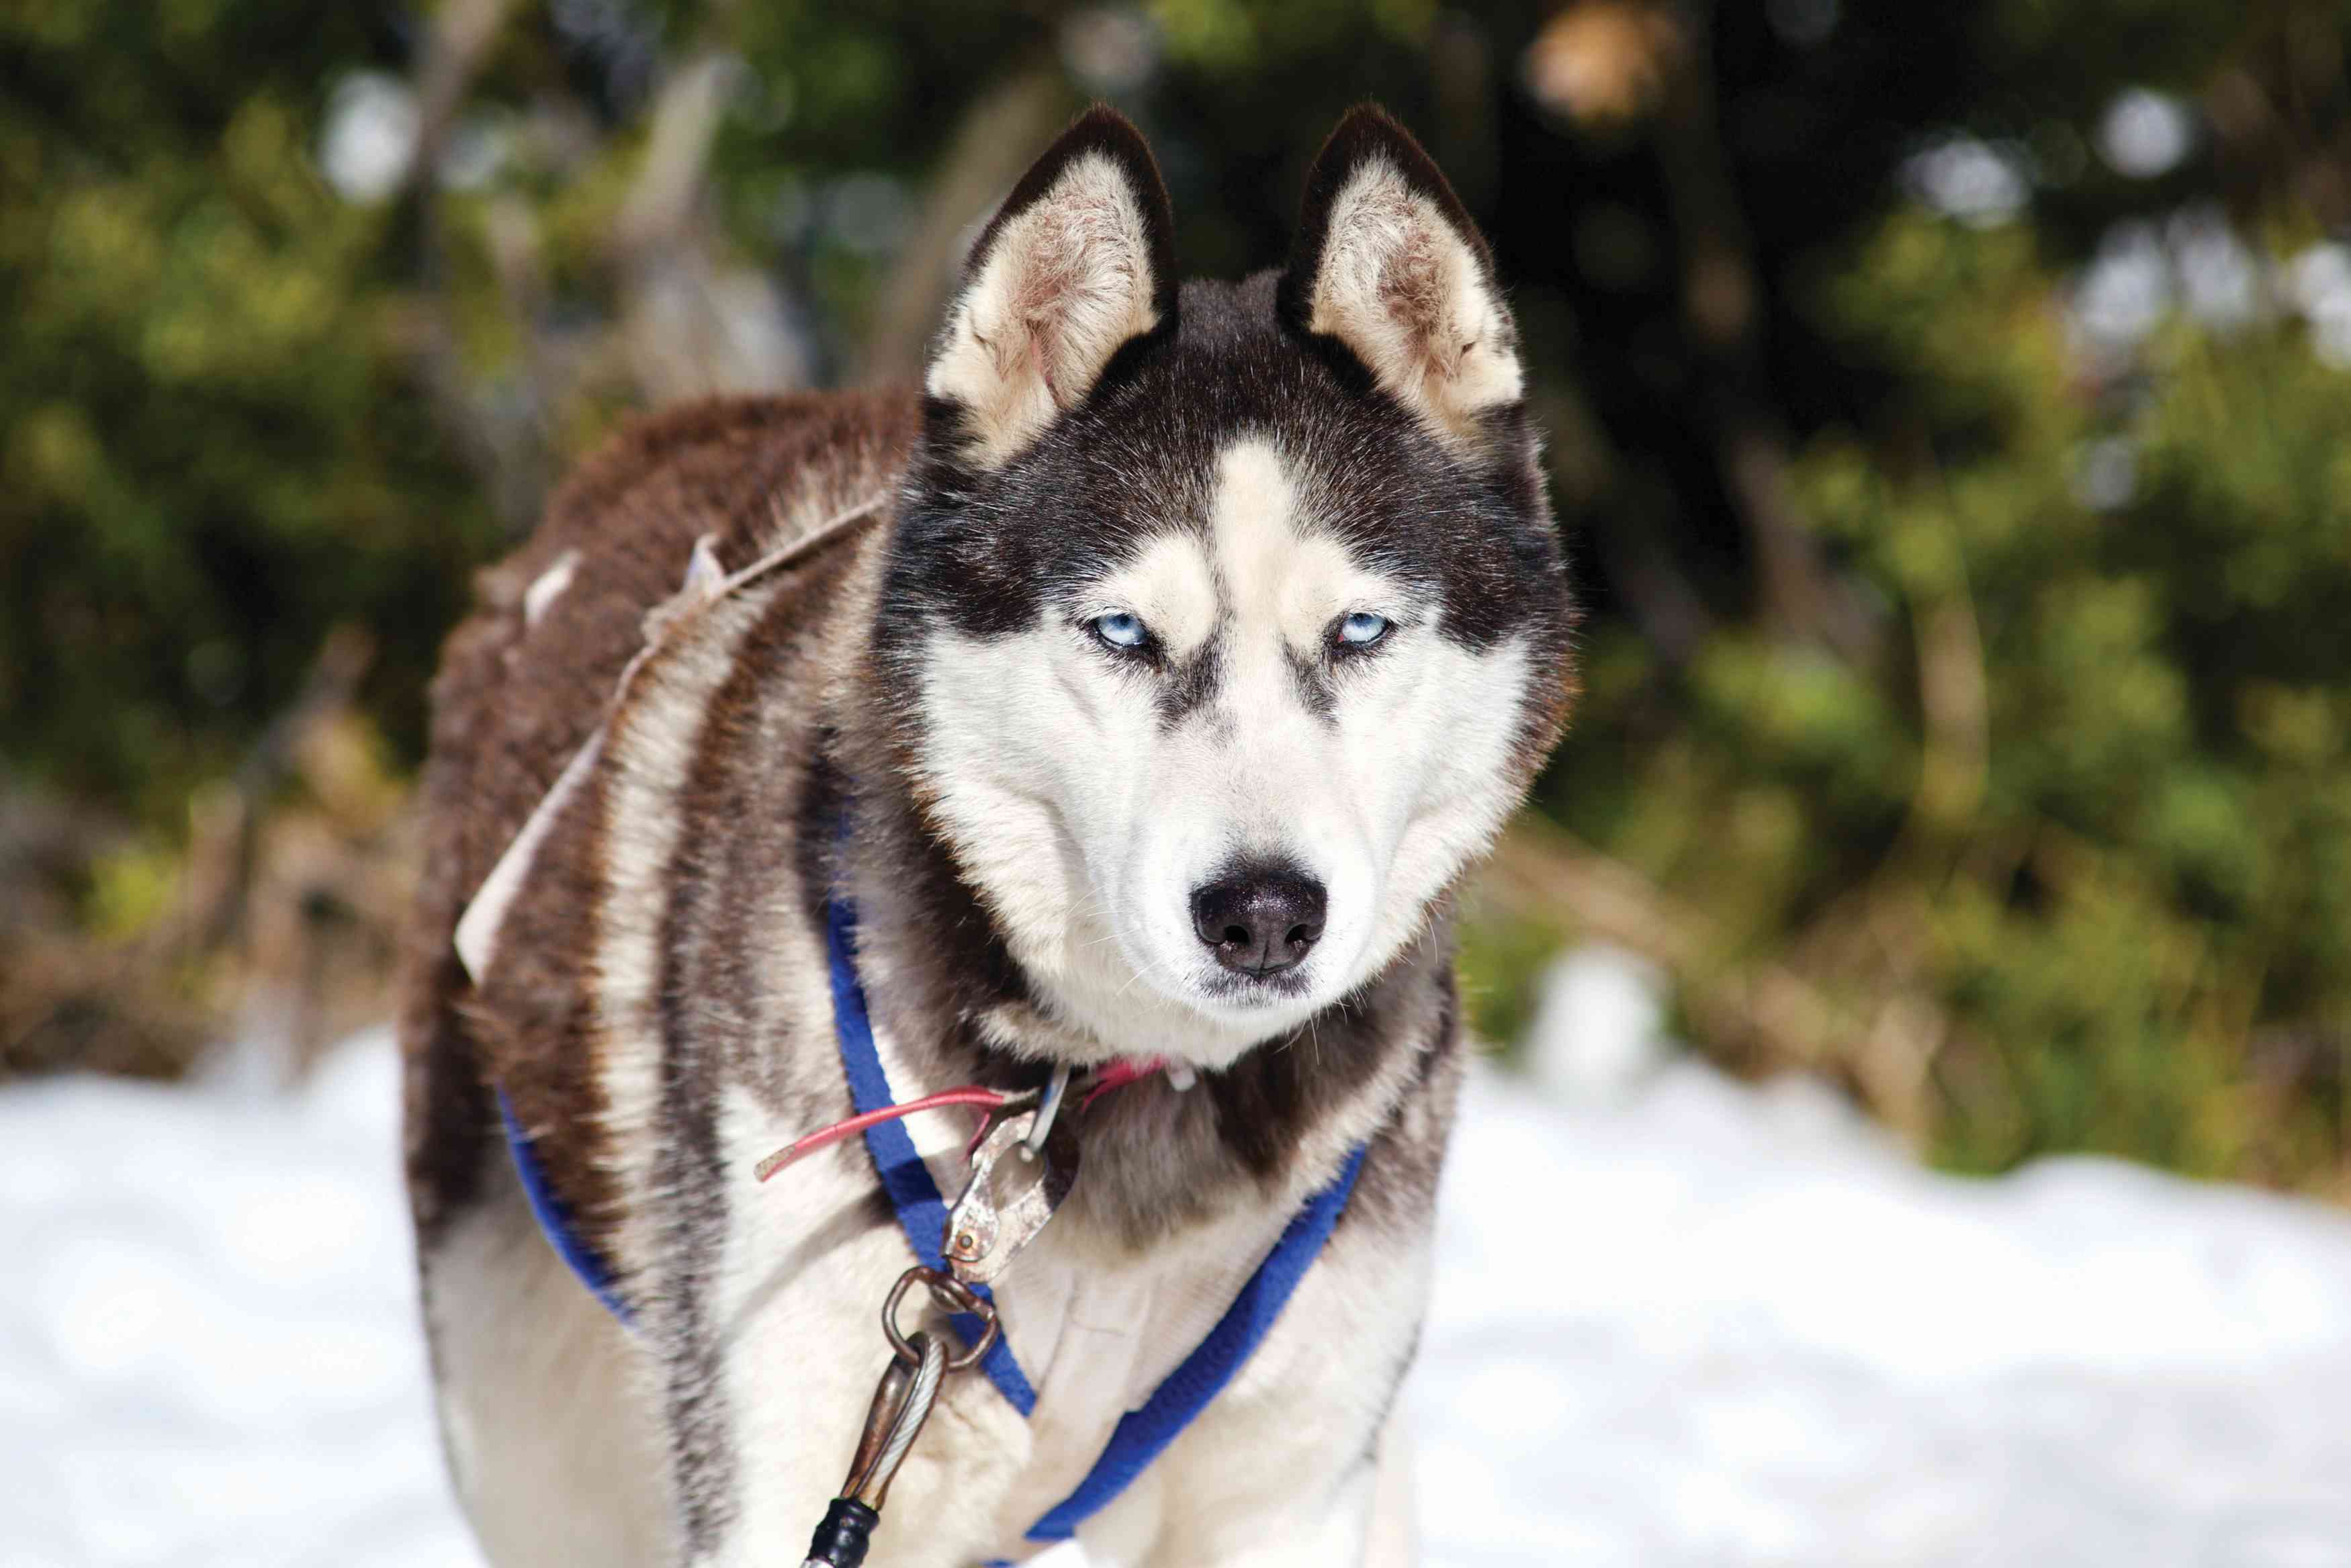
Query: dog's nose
[1259, 920]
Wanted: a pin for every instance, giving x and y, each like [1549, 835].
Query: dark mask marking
[1189, 684]
[1318, 690]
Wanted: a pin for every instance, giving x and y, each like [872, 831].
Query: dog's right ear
[1078, 262]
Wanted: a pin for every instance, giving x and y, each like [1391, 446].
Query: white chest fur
[1095, 1331]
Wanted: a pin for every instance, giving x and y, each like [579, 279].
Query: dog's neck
[1273, 1126]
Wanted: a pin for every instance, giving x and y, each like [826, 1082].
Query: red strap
[1118, 1075]
[970, 1095]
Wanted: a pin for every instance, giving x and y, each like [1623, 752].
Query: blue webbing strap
[554, 1217]
[922, 1212]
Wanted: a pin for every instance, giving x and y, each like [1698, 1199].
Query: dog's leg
[1299, 1461]
[1299, 1477]
[1305, 1526]
[1393, 1542]
[553, 1444]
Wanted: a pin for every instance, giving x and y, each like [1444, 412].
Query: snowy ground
[1678, 1322]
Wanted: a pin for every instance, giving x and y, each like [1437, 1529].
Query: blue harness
[1141, 1434]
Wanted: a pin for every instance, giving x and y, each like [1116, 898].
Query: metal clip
[1012, 1193]
[902, 1402]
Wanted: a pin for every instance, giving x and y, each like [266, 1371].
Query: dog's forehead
[1252, 554]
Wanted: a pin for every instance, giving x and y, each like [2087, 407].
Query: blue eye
[1121, 629]
[1362, 629]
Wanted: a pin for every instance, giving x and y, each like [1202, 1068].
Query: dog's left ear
[1079, 261]
[1387, 263]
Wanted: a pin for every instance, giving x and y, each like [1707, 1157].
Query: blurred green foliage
[208, 449]
[2099, 807]
[1969, 631]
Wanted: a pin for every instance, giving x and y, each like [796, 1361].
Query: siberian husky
[1142, 686]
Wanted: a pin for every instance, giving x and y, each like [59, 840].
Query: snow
[1679, 1321]
[1693, 1322]
[209, 1352]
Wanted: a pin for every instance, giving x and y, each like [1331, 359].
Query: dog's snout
[1259, 920]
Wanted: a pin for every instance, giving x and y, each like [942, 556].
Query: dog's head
[1224, 624]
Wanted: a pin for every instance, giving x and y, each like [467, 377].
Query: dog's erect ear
[1388, 263]
[1079, 261]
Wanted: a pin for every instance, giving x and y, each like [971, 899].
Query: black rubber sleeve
[846, 1533]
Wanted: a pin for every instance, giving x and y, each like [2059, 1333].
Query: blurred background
[1944, 409]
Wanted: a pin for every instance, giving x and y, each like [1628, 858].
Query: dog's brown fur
[508, 713]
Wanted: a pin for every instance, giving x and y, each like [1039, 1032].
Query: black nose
[1259, 920]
